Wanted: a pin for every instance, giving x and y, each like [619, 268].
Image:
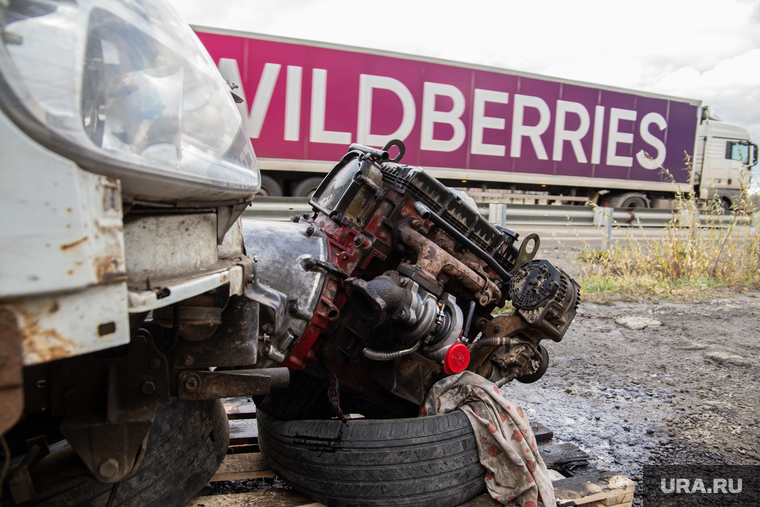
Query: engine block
[409, 279]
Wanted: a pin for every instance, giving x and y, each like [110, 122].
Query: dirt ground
[683, 390]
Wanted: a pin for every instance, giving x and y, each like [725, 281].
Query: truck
[476, 127]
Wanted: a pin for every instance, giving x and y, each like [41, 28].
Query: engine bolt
[148, 388]
[310, 230]
[188, 361]
[191, 382]
[344, 257]
[404, 282]
[482, 324]
[483, 300]
[154, 363]
[108, 468]
[416, 224]
[497, 329]
[358, 240]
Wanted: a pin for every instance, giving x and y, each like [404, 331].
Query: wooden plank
[242, 466]
[482, 500]
[271, 498]
[241, 408]
[562, 456]
[541, 432]
[597, 487]
[603, 489]
[243, 429]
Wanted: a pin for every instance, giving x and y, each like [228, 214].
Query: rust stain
[46, 344]
[68, 246]
[42, 344]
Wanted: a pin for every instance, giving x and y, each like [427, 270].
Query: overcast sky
[702, 49]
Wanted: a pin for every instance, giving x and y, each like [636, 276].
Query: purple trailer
[468, 125]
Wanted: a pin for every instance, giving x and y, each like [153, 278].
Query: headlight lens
[127, 90]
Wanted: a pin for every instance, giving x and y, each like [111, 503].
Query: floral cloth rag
[516, 474]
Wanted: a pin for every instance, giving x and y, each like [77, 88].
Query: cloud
[731, 89]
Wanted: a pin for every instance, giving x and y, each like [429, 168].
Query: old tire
[307, 187]
[186, 445]
[427, 461]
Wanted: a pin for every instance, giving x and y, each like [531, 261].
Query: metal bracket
[310, 263]
[235, 342]
[109, 405]
[262, 294]
[210, 385]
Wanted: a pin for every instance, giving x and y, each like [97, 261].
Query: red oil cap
[457, 359]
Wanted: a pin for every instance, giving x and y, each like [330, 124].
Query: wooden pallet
[594, 489]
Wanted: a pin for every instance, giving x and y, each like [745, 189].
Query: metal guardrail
[283, 208]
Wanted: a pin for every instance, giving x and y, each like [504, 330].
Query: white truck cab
[724, 157]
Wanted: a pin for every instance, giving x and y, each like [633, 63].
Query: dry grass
[698, 256]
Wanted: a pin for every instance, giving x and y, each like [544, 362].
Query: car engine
[391, 283]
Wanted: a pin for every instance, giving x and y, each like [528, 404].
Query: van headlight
[125, 89]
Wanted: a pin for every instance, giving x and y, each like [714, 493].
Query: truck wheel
[269, 187]
[186, 445]
[307, 187]
[634, 201]
[426, 461]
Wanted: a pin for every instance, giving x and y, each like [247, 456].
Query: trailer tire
[633, 201]
[426, 461]
[269, 187]
[307, 187]
[187, 443]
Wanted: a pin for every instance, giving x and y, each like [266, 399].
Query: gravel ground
[682, 390]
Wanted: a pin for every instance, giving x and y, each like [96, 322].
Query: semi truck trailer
[473, 126]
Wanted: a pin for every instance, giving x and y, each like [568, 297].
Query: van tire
[186, 445]
[426, 461]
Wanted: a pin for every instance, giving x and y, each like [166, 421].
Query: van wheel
[425, 461]
[269, 187]
[307, 187]
[186, 445]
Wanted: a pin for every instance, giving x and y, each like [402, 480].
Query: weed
[703, 250]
